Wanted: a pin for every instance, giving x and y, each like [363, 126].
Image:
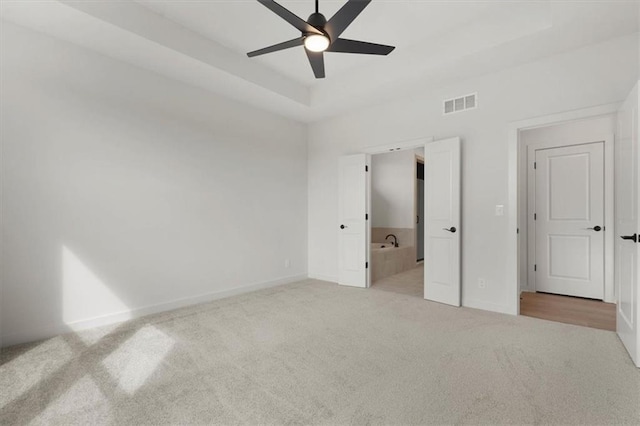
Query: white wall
[393, 189]
[126, 191]
[595, 75]
[571, 133]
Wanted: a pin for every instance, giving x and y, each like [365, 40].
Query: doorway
[567, 205]
[442, 218]
[394, 228]
[627, 213]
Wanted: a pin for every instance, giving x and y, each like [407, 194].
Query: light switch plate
[499, 210]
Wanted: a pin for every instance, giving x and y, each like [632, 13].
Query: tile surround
[406, 236]
[392, 261]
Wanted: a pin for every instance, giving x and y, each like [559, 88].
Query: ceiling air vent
[462, 103]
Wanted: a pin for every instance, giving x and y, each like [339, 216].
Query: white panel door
[627, 256]
[569, 209]
[442, 221]
[353, 241]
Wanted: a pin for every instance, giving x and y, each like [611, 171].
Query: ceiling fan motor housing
[317, 20]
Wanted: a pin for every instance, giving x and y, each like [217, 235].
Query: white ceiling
[243, 26]
[204, 43]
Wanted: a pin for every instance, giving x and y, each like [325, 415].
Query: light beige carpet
[318, 353]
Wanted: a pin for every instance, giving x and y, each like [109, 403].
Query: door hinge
[518, 231]
[366, 216]
[535, 216]
[535, 165]
[535, 268]
[366, 168]
[366, 265]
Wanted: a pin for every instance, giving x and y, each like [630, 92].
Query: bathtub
[379, 246]
[387, 260]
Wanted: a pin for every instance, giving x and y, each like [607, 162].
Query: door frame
[397, 146]
[418, 159]
[410, 144]
[512, 272]
[609, 220]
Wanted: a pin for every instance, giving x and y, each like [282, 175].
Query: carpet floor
[317, 353]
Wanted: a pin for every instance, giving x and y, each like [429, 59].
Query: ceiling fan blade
[343, 45]
[344, 17]
[290, 17]
[316, 59]
[276, 47]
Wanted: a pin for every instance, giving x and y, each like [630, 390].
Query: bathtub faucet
[395, 239]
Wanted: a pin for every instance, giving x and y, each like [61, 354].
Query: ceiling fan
[319, 35]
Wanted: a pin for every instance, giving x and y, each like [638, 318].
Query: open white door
[627, 248]
[353, 239]
[442, 221]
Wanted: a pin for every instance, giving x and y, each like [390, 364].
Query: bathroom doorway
[442, 217]
[397, 231]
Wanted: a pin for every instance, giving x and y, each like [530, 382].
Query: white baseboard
[118, 317]
[488, 306]
[323, 277]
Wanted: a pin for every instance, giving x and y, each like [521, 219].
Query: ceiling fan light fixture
[316, 42]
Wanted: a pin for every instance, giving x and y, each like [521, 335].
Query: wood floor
[569, 310]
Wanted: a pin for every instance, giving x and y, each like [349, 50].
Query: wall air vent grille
[462, 103]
